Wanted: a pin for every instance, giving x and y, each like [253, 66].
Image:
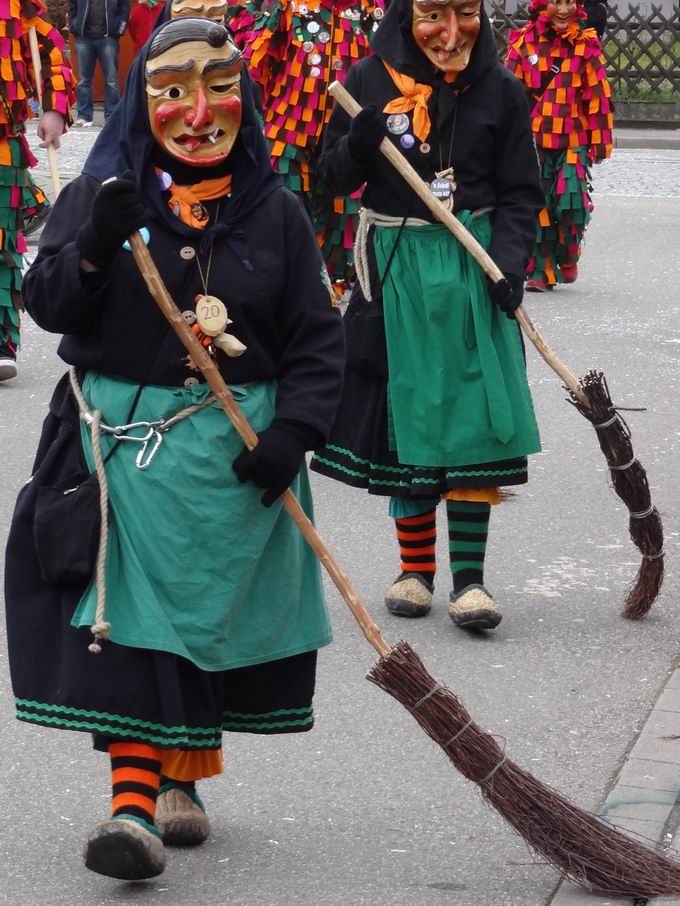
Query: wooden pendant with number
[211, 315]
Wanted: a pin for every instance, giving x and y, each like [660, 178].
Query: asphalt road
[365, 810]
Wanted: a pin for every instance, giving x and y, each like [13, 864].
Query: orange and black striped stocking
[136, 776]
[417, 536]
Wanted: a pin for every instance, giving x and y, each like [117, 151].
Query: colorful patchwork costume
[564, 75]
[294, 51]
[19, 197]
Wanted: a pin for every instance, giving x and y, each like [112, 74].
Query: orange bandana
[185, 201]
[414, 95]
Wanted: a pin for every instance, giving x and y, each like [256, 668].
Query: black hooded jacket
[480, 127]
[260, 258]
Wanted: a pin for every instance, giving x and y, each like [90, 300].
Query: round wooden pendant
[211, 315]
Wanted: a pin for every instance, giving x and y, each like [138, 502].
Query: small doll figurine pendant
[212, 319]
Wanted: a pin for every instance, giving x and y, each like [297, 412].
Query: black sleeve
[312, 363]
[519, 196]
[124, 11]
[58, 295]
[341, 173]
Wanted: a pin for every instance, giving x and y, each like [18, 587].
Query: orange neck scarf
[414, 95]
[185, 201]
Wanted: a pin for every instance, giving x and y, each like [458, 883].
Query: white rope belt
[369, 218]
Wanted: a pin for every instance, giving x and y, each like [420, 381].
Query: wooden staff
[37, 71]
[208, 368]
[488, 265]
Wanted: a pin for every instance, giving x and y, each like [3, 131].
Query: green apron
[457, 390]
[195, 564]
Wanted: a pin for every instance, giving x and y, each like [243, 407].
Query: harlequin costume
[20, 199]
[214, 609]
[294, 51]
[435, 402]
[564, 74]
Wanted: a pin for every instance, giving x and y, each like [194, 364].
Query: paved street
[365, 810]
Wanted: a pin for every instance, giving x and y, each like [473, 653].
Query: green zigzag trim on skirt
[107, 724]
[377, 478]
[119, 725]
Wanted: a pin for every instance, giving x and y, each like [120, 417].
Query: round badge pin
[337, 65]
[323, 37]
[313, 27]
[407, 141]
[164, 180]
[315, 72]
[441, 189]
[533, 58]
[378, 13]
[315, 59]
[308, 46]
[397, 123]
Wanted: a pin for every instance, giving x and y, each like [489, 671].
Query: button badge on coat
[533, 58]
[397, 123]
[407, 141]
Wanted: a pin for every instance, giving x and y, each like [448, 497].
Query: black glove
[117, 211]
[366, 132]
[277, 458]
[508, 293]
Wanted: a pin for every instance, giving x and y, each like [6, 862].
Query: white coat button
[189, 317]
[190, 382]
[187, 252]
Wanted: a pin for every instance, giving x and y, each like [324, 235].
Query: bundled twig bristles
[583, 847]
[629, 480]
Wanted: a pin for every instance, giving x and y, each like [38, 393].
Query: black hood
[126, 143]
[394, 43]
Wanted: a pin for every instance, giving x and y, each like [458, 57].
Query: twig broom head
[577, 843]
[629, 480]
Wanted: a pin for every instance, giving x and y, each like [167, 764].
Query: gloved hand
[366, 132]
[117, 211]
[277, 458]
[508, 293]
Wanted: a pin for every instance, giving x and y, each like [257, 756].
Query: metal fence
[642, 48]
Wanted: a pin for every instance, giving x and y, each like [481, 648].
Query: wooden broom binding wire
[589, 395]
[582, 846]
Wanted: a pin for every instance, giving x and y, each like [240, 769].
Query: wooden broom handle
[224, 396]
[37, 73]
[488, 265]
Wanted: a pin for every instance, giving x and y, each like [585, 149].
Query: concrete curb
[647, 139]
[645, 793]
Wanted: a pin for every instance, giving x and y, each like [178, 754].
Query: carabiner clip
[143, 461]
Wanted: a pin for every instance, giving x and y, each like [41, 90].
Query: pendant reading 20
[211, 315]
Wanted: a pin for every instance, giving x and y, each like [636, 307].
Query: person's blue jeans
[89, 50]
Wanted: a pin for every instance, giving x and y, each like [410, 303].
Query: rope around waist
[369, 218]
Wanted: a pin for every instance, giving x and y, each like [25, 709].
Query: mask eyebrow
[161, 70]
[212, 65]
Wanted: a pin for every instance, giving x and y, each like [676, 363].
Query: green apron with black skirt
[195, 565]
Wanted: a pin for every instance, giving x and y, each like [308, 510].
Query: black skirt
[123, 693]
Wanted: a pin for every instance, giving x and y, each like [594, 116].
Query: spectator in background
[57, 14]
[143, 20]
[97, 26]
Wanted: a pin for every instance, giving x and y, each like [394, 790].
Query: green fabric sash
[457, 391]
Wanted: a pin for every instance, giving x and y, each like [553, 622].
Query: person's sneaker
[180, 815]
[410, 595]
[569, 272]
[474, 608]
[83, 124]
[8, 361]
[125, 848]
[538, 286]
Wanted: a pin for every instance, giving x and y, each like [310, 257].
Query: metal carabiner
[120, 432]
[143, 461]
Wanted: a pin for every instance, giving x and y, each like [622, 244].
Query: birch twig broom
[578, 844]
